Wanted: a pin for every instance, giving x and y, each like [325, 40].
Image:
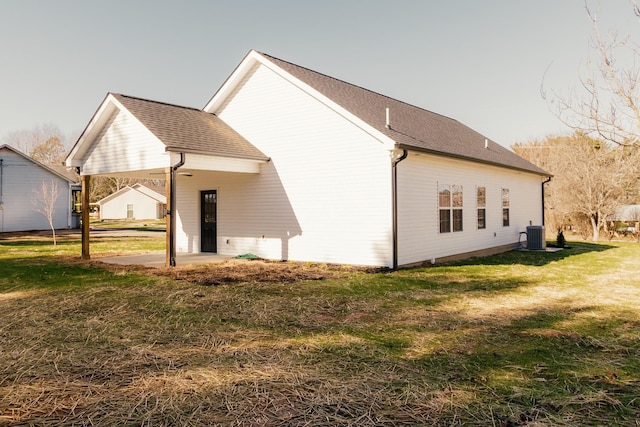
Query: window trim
[481, 207]
[506, 217]
[450, 208]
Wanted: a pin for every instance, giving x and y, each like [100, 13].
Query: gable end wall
[124, 145]
[324, 196]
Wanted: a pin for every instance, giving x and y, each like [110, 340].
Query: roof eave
[471, 159]
[174, 149]
[38, 163]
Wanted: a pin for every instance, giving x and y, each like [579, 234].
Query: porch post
[172, 211]
[86, 181]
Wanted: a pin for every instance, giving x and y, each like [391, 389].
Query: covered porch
[135, 138]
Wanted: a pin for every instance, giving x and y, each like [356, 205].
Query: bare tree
[591, 178]
[26, 140]
[606, 103]
[44, 201]
[51, 151]
[549, 154]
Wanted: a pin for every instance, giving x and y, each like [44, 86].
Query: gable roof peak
[411, 127]
[136, 98]
[344, 82]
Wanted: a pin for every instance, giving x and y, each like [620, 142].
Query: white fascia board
[247, 64]
[114, 195]
[143, 189]
[232, 82]
[99, 118]
[76, 157]
[123, 109]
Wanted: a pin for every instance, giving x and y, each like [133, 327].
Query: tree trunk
[53, 231]
[595, 225]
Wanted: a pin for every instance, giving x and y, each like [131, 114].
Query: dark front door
[208, 218]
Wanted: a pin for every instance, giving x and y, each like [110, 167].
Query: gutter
[394, 196]
[171, 238]
[470, 159]
[543, 183]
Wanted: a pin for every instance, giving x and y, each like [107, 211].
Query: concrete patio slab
[157, 259]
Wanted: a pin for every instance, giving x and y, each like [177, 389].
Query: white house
[630, 213]
[138, 201]
[288, 163]
[25, 183]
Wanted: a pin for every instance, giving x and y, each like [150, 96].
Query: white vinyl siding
[142, 206]
[22, 180]
[418, 234]
[324, 196]
[124, 145]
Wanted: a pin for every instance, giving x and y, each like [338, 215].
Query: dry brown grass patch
[258, 271]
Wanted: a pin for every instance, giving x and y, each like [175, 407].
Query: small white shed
[24, 183]
[138, 201]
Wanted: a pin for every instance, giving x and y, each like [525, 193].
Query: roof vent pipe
[486, 143]
[387, 125]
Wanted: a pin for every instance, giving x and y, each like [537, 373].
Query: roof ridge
[358, 86]
[159, 102]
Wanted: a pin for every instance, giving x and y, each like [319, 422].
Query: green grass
[138, 225]
[521, 338]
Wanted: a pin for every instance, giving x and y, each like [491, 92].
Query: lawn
[523, 338]
[138, 225]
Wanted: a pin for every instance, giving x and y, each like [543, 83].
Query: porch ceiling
[137, 138]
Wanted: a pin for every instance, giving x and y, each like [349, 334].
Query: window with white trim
[505, 207]
[481, 205]
[450, 204]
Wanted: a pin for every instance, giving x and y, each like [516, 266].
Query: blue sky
[480, 62]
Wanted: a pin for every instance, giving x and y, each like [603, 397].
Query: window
[456, 195]
[129, 211]
[76, 201]
[450, 207]
[505, 207]
[481, 203]
[444, 205]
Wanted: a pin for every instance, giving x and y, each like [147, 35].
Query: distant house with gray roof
[288, 163]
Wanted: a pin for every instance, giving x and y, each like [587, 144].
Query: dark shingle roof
[190, 130]
[410, 126]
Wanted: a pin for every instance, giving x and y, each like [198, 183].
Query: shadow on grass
[546, 370]
[141, 228]
[61, 241]
[49, 272]
[367, 349]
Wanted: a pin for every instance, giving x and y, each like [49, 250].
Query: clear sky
[480, 62]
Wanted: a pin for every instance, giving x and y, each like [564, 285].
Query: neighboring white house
[287, 163]
[138, 201]
[22, 180]
[630, 213]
